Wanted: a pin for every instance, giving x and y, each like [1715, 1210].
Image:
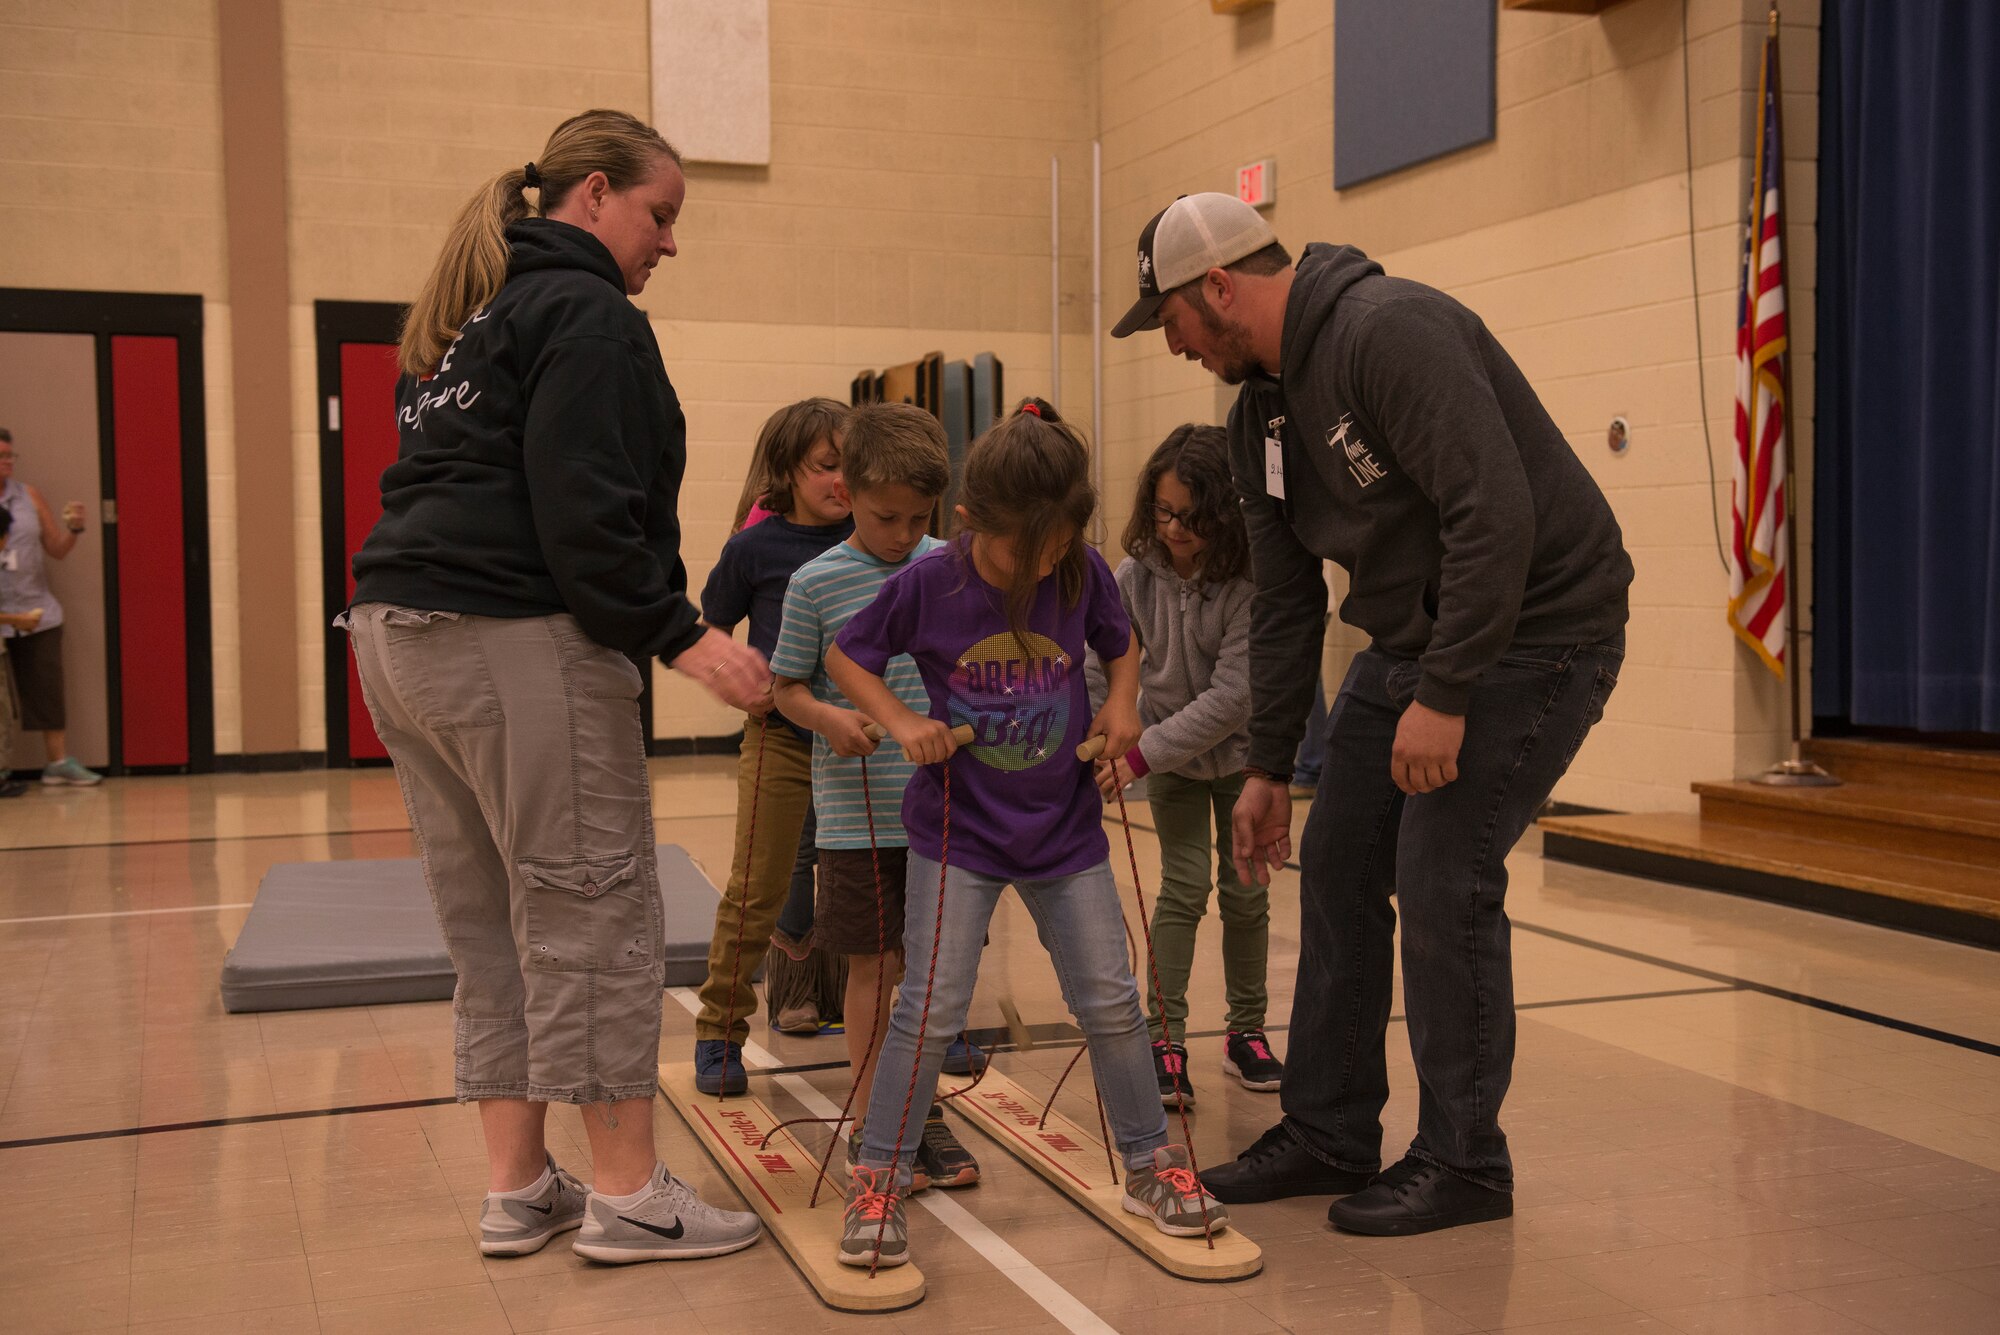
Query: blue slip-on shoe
[963, 1057]
[718, 1067]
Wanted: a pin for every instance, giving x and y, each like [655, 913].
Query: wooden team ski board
[1073, 1159]
[777, 1180]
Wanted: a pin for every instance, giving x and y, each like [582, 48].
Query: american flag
[1757, 573]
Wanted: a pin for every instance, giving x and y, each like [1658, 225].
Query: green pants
[1183, 810]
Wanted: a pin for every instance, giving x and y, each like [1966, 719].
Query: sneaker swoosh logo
[540, 1209]
[671, 1234]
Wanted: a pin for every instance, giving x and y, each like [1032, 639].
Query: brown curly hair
[1199, 457]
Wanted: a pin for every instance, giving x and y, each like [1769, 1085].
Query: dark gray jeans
[518, 747]
[1442, 855]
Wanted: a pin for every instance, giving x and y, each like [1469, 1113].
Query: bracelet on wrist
[1253, 772]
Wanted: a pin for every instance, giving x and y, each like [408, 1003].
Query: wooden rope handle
[1091, 749]
[962, 734]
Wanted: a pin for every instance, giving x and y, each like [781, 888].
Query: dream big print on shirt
[1023, 807]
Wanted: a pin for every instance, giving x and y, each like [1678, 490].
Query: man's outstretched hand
[1261, 829]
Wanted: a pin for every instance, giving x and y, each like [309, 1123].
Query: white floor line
[127, 913]
[1053, 1298]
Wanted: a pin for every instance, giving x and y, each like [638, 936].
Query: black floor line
[1965, 1041]
[802, 1068]
[213, 1122]
[256, 838]
[995, 1040]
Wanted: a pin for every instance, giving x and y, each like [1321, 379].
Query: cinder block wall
[1569, 234]
[906, 209]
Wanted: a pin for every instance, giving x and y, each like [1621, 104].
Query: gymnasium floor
[1727, 1117]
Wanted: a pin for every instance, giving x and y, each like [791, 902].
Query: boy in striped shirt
[894, 467]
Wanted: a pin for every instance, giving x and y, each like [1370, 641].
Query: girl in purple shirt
[998, 622]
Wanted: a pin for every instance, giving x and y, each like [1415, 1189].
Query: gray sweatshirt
[1417, 456]
[1194, 680]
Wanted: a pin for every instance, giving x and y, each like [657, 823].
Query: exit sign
[1257, 184]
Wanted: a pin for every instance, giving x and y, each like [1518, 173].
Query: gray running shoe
[670, 1223]
[510, 1226]
[872, 1229]
[1170, 1196]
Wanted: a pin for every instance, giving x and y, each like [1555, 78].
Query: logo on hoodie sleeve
[1361, 462]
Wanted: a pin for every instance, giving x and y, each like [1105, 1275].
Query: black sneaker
[1246, 1054]
[12, 787]
[1170, 1068]
[1418, 1197]
[1276, 1166]
[940, 1158]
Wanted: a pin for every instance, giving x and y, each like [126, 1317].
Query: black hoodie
[1416, 456]
[539, 470]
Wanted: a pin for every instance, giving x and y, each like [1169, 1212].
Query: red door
[367, 446]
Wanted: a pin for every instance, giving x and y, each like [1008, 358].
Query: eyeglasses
[1164, 516]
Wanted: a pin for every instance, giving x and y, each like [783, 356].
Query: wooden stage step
[1875, 816]
[1910, 839]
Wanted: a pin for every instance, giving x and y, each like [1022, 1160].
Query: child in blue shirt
[894, 466]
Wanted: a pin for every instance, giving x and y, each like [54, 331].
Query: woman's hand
[732, 672]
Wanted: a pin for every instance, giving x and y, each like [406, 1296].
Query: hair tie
[1032, 407]
[531, 177]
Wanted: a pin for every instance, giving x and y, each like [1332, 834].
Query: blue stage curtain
[1907, 489]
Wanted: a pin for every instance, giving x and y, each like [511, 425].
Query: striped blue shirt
[824, 593]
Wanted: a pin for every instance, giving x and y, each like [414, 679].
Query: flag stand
[1796, 771]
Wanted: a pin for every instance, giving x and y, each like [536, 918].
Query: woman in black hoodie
[527, 555]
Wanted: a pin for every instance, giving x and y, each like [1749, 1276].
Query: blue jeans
[796, 918]
[1443, 856]
[1073, 916]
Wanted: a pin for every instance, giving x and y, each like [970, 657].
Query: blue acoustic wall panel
[1412, 80]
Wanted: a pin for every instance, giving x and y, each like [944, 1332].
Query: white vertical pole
[1097, 328]
[1055, 281]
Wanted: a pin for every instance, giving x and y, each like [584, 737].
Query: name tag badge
[10, 561]
[1274, 467]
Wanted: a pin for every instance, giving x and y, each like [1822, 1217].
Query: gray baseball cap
[1185, 240]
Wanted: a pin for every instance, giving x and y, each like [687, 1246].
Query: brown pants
[518, 747]
[760, 874]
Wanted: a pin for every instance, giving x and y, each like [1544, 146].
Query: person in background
[10, 708]
[529, 551]
[37, 655]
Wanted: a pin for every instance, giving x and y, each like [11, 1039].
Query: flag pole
[1797, 771]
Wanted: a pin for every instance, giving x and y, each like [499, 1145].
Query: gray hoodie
[1418, 457]
[1194, 680]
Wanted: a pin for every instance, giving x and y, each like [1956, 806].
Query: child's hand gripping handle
[1091, 748]
[962, 735]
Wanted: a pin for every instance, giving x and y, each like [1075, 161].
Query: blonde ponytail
[472, 267]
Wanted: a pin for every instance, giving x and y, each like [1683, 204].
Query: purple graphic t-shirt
[1023, 807]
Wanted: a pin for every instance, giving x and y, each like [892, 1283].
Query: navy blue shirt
[752, 574]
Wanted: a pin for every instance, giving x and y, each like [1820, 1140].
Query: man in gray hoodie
[1381, 425]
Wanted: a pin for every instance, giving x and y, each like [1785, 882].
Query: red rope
[1160, 998]
[743, 903]
[924, 1019]
[881, 980]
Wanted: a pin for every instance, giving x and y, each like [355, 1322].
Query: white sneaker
[670, 1223]
[514, 1226]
